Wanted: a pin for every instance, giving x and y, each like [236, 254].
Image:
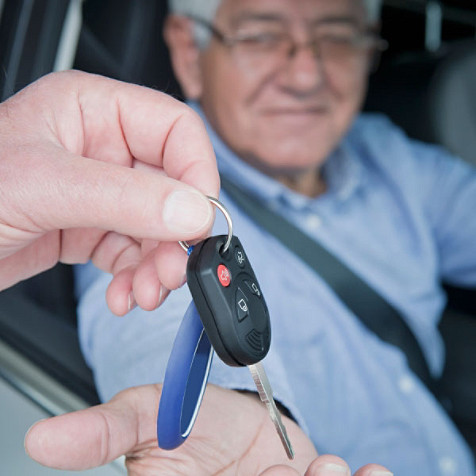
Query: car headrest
[432, 96]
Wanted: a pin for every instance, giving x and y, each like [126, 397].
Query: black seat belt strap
[367, 304]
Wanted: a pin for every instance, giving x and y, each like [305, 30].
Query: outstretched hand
[233, 435]
[93, 168]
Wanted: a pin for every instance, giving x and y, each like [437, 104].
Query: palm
[233, 435]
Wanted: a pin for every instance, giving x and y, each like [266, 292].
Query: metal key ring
[186, 247]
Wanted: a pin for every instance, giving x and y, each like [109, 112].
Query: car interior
[425, 83]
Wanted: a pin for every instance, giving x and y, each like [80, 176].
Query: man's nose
[304, 71]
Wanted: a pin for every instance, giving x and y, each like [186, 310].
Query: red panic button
[224, 275]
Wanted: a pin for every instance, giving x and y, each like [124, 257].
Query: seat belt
[369, 306]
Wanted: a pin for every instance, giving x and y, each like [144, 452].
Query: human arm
[232, 435]
[448, 189]
[93, 168]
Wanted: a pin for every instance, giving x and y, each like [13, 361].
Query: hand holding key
[223, 442]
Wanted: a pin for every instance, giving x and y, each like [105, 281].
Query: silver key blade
[266, 394]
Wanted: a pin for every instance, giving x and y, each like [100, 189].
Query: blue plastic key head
[185, 381]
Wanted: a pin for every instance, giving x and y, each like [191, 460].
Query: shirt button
[313, 222]
[406, 384]
[448, 465]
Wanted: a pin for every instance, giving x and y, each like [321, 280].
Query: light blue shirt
[401, 215]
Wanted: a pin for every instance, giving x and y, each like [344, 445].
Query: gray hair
[206, 9]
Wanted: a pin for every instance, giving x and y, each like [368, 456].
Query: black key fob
[229, 301]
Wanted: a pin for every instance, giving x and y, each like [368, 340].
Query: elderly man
[279, 84]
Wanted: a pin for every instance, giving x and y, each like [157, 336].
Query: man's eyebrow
[258, 17]
[336, 20]
[274, 18]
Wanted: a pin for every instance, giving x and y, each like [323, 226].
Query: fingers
[117, 122]
[113, 253]
[156, 129]
[330, 465]
[147, 289]
[171, 264]
[148, 286]
[96, 156]
[70, 116]
[373, 470]
[98, 435]
[280, 470]
[149, 283]
[85, 193]
[119, 295]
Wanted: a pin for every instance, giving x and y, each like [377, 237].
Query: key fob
[229, 301]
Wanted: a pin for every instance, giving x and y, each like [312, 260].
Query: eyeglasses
[272, 49]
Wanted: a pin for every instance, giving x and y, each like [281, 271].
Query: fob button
[224, 275]
[255, 340]
[240, 257]
[253, 288]
[242, 309]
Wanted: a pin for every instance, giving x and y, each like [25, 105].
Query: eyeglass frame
[379, 44]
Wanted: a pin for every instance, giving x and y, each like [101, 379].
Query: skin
[285, 122]
[88, 165]
[222, 441]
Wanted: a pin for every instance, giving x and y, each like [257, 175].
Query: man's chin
[297, 120]
[290, 163]
[297, 153]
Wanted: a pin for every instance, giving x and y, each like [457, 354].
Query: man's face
[283, 116]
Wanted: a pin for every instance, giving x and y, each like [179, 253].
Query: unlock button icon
[241, 305]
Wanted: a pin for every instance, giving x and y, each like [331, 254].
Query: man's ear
[184, 53]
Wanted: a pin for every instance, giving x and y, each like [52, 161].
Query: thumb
[84, 192]
[97, 435]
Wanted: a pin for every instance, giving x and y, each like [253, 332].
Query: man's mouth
[296, 111]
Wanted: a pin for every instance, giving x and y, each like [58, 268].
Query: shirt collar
[342, 170]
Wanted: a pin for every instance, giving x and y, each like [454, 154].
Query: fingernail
[131, 302]
[162, 292]
[161, 295]
[379, 472]
[186, 212]
[333, 469]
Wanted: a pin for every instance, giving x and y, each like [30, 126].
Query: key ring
[187, 248]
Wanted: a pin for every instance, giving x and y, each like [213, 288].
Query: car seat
[432, 96]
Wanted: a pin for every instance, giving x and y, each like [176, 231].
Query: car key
[234, 313]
